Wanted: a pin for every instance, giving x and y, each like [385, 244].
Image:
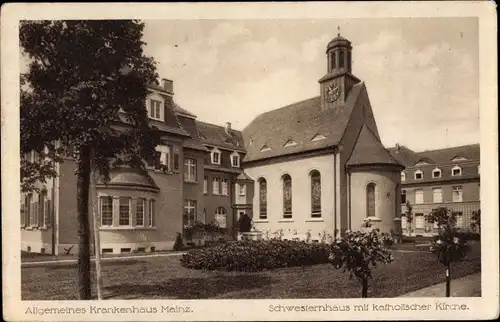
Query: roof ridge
[219, 126]
[450, 148]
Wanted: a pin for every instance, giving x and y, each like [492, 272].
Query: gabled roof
[215, 135]
[299, 122]
[370, 151]
[243, 177]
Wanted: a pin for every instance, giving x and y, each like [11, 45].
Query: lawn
[164, 277]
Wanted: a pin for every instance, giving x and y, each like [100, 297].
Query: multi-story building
[191, 178]
[439, 178]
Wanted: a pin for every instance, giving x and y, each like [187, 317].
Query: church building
[318, 165]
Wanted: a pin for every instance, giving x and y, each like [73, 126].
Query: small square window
[436, 174]
[419, 175]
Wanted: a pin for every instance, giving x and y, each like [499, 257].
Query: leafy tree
[358, 253]
[476, 221]
[84, 96]
[448, 247]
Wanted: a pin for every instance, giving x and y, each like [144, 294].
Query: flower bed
[254, 256]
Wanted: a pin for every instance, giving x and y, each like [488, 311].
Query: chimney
[167, 85]
[398, 147]
[228, 127]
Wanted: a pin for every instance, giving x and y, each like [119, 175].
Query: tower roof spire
[338, 29]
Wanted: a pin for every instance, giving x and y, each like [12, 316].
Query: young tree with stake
[448, 247]
[85, 89]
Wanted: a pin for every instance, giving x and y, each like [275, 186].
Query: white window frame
[419, 219]
[164, 155]
[235, 156]
[137, 203]
[101, 210]
[456, 168]
[221, 211]
[460, 195]
[290, 143]
[318, 137]
[160, 116]
[151, 212]
[242, 189]
[129, 211]
[190, 170]
[436, 170]
[420, 192]
[418, 172]
[205, 185]
[216, 186]
[403, 176]
[215, 152]
[434, 190]
[224, 184]
[459, 216]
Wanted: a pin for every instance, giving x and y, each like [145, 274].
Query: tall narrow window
[205, 185]
[106, 211]
[315, 194]
[457, 194]
[341, 59]
[42, 205]
[262, 198]
[139, 212]
[176, 158]
[419, 196]
[224, 186]
[216, 186]
[29, 209]
[349, 60]
[287, 196]
[221, 217]
[370, 200]
[189, 212]
[124, 211]
[151, 213]
[333, 60]
[190, 170]
[437, 195]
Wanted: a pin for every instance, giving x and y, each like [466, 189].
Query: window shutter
[23, 214]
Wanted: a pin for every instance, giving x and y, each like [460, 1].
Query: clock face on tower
[332, 92]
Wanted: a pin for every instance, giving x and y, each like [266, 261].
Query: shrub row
[254, 256]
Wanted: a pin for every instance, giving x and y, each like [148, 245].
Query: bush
[254, 256]
[179, 244]
[468, 235]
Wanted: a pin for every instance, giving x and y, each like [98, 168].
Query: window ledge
[190, 182]
[397, 219]
[315, 219]
[286, 220]
[29, 228]
[261, 221]
[112, 228]
[376, 219]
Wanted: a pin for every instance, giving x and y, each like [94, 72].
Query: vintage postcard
[249, 161]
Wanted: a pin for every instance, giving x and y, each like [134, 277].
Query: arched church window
[370, 200]
[341, 59]
[287, 196]
[262, 198]
[333, 60]
[349, 62]
[315, 194]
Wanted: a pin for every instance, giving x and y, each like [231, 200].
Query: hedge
[254, 256]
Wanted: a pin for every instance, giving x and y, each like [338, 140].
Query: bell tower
[338, 81]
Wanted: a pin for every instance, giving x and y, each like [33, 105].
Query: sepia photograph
[259, 158]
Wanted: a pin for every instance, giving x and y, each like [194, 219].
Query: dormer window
[290, 143]
[436, 173]
[235, 160]
[403, 176]
[216, 156]
[265, 148]
[419, 175]
[459, 158]
[318, 137]
[155, 106]
[456, 171]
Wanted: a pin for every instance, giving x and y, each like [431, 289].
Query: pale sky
[421, 73]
